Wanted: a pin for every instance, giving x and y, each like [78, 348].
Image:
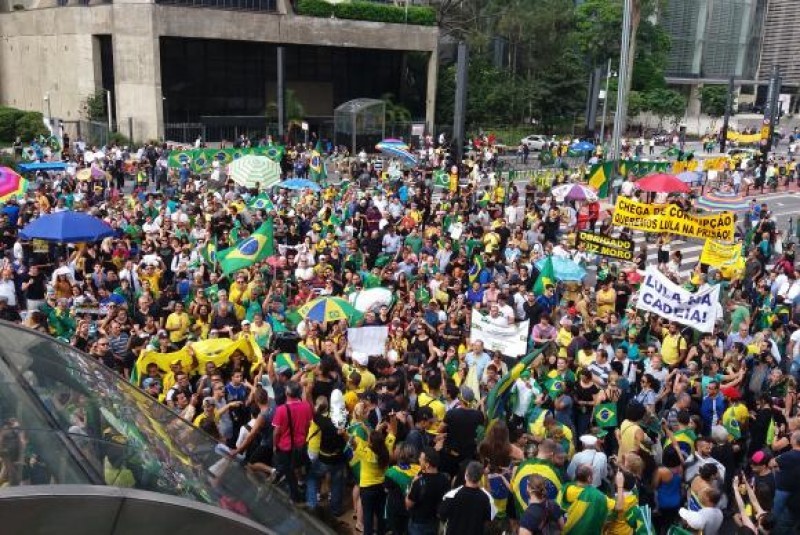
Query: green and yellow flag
[247, 252]
[316, 165]
[600, 178]
[547, 276]
[605, 414]
[441, 179]
[587, 510]
[305, 354]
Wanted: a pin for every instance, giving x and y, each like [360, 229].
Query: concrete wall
[52, 49]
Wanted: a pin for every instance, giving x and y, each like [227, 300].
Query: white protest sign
[511, 340]
[368, 340]
[661, 296]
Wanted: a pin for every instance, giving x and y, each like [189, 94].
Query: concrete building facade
[58, 51]
[781, 42]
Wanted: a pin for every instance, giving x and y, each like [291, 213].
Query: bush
[8, 123]
[119, 139]
[314, 8]
[368, 11]
[25, 124]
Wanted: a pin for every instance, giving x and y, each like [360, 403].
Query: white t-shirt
[709, 519]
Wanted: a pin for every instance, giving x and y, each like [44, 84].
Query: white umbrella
[374, 297]
[253, 171]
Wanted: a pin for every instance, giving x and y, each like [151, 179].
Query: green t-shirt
[740, 314]
[415, 242]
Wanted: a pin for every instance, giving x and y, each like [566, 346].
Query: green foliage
[8, 123]
[6, 160]
[666, 103]
[713, 99]
[598, 25]
[121, 140]
[637, 103]
[368, 11]
[23, 124]
[395, 113]
[94, 106]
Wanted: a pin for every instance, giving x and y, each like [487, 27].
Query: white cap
[588, 441]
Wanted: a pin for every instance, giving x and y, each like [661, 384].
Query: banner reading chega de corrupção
[672, 219]
[511, 340]
[603, 245]
[661, 296]
[717, 254]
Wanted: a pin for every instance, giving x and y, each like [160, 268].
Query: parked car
[535, 142]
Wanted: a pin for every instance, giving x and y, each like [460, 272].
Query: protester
[453, 375]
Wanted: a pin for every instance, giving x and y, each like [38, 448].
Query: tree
[94, 106]
[637, 103]
[713, 99]
[395, 113]
[666, 103]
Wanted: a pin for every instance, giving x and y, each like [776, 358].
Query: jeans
[315, 476]
[430, 528]
[785, 521]
[283, 463]
[373, 503]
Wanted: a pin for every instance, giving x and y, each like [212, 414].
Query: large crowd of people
[620, 422]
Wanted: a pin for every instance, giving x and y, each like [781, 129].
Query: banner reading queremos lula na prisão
[661, 296]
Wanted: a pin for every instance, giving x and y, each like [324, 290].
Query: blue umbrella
[299, 183]
[564, 269]
[582, 146]
[68, 226]
[398, 152]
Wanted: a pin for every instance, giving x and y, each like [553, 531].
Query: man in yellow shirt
[673, 347]
[177, 325]
[606, 299]
[152, 275]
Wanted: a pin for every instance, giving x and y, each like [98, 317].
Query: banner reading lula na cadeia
[672, 219]
[511, 340]
[661, 296]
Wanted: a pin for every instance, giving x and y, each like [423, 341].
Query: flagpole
[622, 86]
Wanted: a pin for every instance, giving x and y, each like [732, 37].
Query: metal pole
[108, 107]
[605, 105]
[728, 104]
[768, 127]
[622, 84]
[591, 112]
[281, 93]
[460, 102]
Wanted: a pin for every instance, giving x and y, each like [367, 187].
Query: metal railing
[230, 5]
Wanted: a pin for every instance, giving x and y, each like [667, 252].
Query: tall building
[781, 43]
[713, 39]
[175, 61]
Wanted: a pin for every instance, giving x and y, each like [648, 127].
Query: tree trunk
[636, 17]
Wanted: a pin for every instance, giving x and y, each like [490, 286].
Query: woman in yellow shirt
[606, 299]
[177, 325]
[374, 458]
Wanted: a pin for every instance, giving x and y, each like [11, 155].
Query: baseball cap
[760, 458]
[245, 322]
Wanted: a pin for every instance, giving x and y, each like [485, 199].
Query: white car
[535, 142]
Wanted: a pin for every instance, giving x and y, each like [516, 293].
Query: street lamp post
[609, 75]
[622, 85]
[49, 111]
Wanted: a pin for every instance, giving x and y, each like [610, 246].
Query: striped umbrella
[254, 171]
[574, 192]
[723, 201]
[392, 142]
[328, 309]
[11, 183]
[397, 152]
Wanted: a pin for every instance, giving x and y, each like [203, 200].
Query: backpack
[261, 449]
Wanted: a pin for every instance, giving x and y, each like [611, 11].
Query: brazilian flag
[528, 468]
[441, 179]
[305, 354]
[730, 423]
[600, 178]
[555, 386]
[547, 276]
[209, 252]
[201, 162]
[498, 396]
[316, 165]
[247, 252]
[261, 202]
[605, 414]
[274, 152]
[476, 268]
[685, 439]
[587, 509]
[285, 360]
[223, 156]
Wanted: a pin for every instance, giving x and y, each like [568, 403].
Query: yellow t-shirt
[180, 324]
[153, 280]
[438, 408]
[609, 299]
[367, 378]
[671, 347]
[370, 472]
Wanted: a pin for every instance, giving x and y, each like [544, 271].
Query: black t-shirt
[788, 477]
[461, 427]
[540, 515]
[37, 288]
[467, 512]
[426, 493]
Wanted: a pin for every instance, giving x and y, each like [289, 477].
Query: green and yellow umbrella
[324, 309]
[254, 171]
